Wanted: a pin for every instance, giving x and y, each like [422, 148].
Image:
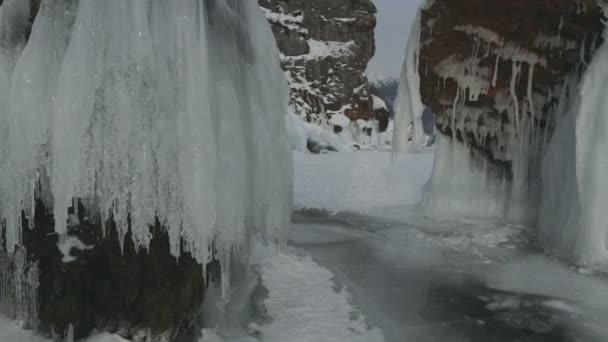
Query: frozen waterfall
[408, 105]
[573, 219]
[145, 110]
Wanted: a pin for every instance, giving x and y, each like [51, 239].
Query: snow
[482, 33]
[12, 332]
[296, 132]
[408, 106]
[303, 303]
[291, 22]
[69, 244]
[345, 20]
[305, 307]
[340, 119]
[378, 103]
[324, 49]
[359, 182]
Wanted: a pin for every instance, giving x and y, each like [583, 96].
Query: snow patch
[69, 244]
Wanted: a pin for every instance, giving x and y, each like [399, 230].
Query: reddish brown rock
[531, 25]
[325, 46]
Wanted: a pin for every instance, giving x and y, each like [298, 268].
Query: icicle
[495, 77]
[582, 57]
[454, 107]
[516, 68]
[530, 88]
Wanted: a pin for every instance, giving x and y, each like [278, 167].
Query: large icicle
[150, 109]
[13, 26]
[408, 106]
[30, 102]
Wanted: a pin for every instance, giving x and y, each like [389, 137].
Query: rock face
[481, 61]
[325, 48]
[113, 287]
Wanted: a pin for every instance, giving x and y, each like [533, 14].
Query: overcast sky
[395, 18]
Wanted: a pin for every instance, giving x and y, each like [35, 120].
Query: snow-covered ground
[360, 182]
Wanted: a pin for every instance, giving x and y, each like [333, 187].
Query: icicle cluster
[19, 288]
[143, 110]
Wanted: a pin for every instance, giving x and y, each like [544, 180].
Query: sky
[395, 19]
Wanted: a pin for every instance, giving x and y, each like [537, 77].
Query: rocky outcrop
[325, 48]
[100, 283]
[494, 73]
[493, 70]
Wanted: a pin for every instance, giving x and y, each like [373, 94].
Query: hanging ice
[408, 106]
[149, 109]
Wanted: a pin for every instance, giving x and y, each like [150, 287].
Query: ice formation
[408, 106]
[573, 216]
[168, 110]
[464, 181]
[529, 152]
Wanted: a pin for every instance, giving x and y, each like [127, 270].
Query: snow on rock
[379, 103]
[325, 48]
[69, 244]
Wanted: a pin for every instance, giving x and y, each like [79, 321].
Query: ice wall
[408, 106]
[573, 216]
[464, 184]
[148, 109]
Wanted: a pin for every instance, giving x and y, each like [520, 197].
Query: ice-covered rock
[140, 141]
[494, 88]
[520, 103]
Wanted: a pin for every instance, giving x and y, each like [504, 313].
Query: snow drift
[142, 117]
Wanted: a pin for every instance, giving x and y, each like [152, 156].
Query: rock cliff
[325, 48]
